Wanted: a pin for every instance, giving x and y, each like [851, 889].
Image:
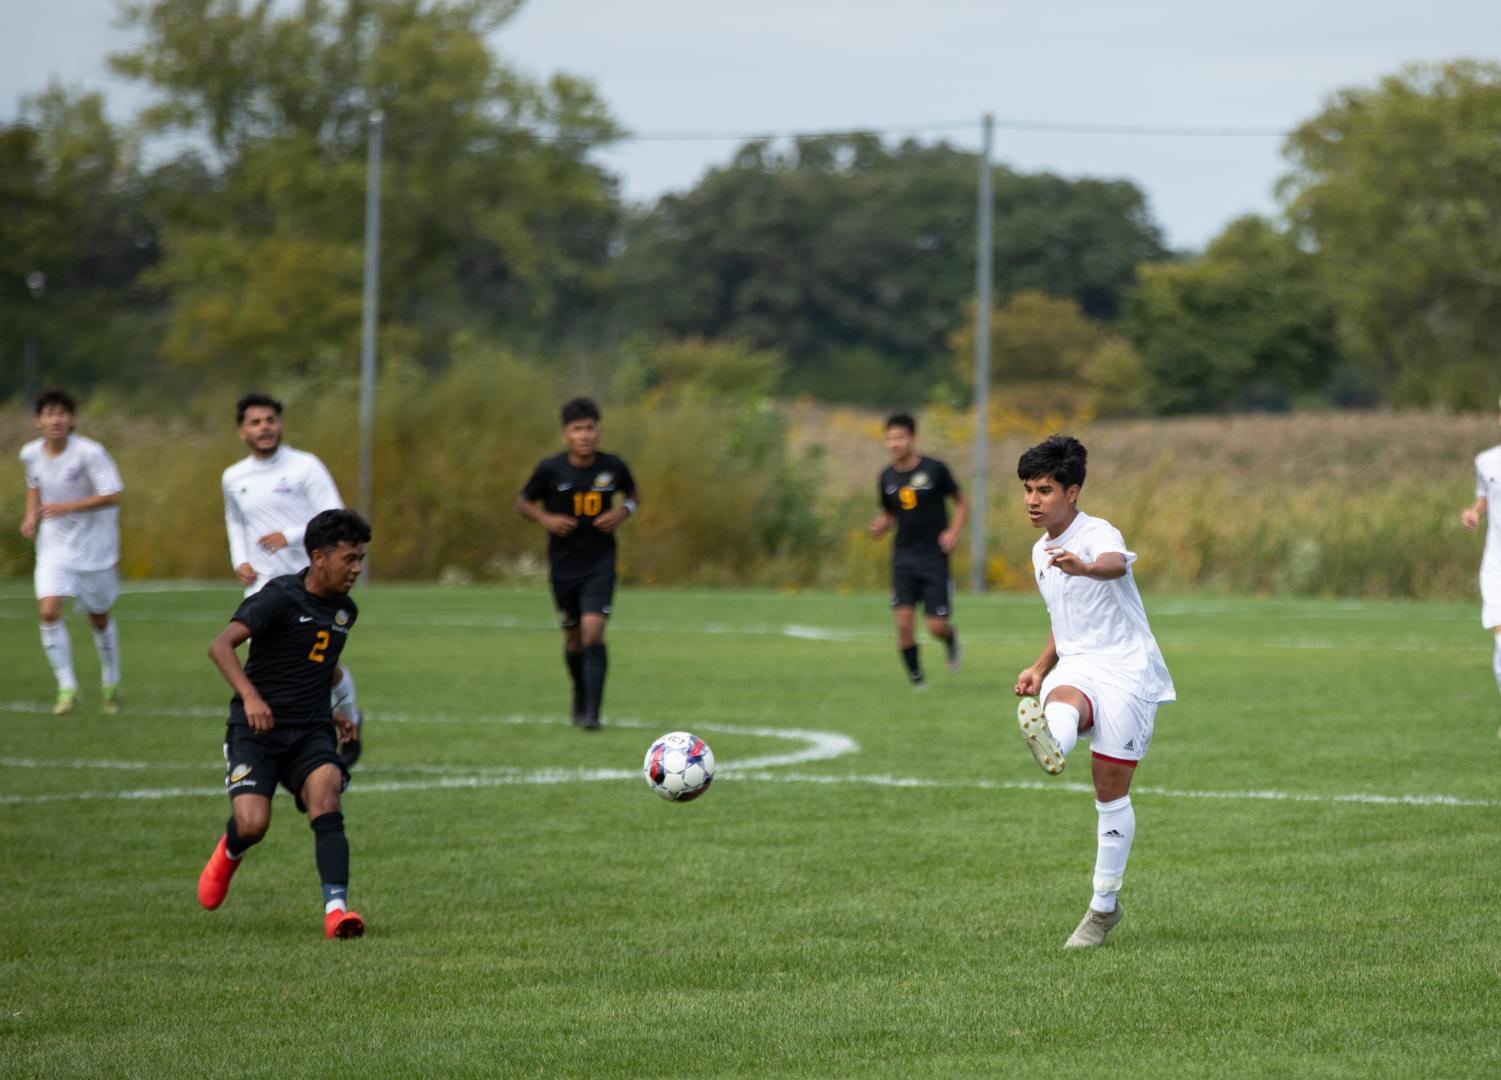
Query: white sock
[107, 641]
[1117, 828]
[1496, 662]
[1063, 721]
[342, 698]
[335, 905]
[59, 654]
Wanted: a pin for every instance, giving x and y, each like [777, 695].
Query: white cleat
[1093, 927]
[1040, 741]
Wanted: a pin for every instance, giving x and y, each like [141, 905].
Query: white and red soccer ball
[679, 766]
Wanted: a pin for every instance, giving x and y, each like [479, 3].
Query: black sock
[576, 672]
[236, 845]
[331, 848]
[909, 657]
[595, 663]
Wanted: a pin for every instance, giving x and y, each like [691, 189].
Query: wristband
[630, 506]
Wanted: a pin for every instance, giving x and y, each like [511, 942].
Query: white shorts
[1122, 721]
[96, 590]
[1490, 600]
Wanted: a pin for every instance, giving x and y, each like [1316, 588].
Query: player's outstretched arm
[1470, 516]
[1109, 566]
[222, 652]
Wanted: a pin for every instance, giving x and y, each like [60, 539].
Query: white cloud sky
[798, 65]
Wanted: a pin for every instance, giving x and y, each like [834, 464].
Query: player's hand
[246, 574]
[272, 542]
[878, 526]
[56, 510]
[1067, 561]
[1469, 517]
[28, 528]
[559, 524]
[346, 727]
[948, 540]
[1028, 683]
[611, 520]
[258, 714]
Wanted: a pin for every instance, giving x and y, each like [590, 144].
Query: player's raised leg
[250, 817]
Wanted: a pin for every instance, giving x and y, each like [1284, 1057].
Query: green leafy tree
[1395, 186]
[1247, 325]
[494, 218]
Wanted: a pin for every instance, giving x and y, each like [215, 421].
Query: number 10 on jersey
[587, 503]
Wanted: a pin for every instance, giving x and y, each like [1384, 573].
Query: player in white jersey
[1487, 494]
[72, 499]
[1100, 672]
[269, 498]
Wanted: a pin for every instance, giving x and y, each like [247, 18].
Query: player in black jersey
[912, 491]
[280, 725]
[572, 496]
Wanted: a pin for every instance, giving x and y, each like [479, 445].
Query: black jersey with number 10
[917, 500]
[583, 493]
[295, 642]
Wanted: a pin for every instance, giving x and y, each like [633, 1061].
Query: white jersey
[1488, 487]
[87, 540]
[280, 494]
[1101, 623]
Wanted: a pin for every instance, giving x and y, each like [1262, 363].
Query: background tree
[1396, 187]
[494, 219]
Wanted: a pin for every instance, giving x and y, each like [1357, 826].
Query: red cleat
[213, 883]
[343, 924]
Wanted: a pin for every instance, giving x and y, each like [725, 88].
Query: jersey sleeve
[536, 487]
[261, 611]
[947, 485]
[883, 500]
[234, 526]
[1107, 539]
[322, 493]
[1482, 489]
[33, 480]
[627, 481]
[102, 472]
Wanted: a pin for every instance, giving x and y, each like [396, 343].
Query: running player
[269, 497]
[1488, 494]
[280, 727]
[72, 512]
[1100, 671]
[571, 495]
[912, 491]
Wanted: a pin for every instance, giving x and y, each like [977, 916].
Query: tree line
[221, 229]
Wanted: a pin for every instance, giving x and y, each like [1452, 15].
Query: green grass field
[881, 888]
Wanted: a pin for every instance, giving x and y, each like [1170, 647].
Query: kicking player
[912, 491]
[72, 512]
[1487, 494]
[280, 727]
[571, 495]
[1100, 671]
[269, 497]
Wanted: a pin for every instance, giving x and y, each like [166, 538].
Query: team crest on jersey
[282, 487]
[920, 480]
[604, 479]
[342, 618]
[240, 772]
[72, 475]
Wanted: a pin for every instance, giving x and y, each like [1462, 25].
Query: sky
[744, 67]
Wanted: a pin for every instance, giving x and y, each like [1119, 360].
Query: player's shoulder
[239, 468]
[613, 462]
[85, 446]
[1489, 458]
[553, 462]
[302, 458]
[31, 451]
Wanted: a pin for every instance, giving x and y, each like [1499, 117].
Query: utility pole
[368, 322]
[984, 255]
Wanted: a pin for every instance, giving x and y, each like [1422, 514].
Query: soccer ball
[679, 766]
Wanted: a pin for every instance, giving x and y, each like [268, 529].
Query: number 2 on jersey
[320, 645]
[587, 503]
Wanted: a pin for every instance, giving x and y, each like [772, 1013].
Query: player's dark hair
[330, 528]
[251, 401]
[55, 396]
[580, 408]
[1062, 457]
[902, 419]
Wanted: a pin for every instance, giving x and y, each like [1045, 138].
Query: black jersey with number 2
[584, 493]
[295, 642]
[916, 500]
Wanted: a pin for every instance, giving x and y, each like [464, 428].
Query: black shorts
[253, 764]
[590, 594]
[928, 582]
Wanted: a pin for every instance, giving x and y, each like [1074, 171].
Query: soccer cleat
[1093, 927]
[1034, 728]
[956, 655]
[589, 723]
[110, 703]
[343, 924]
[213, 883]
[66, 700]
